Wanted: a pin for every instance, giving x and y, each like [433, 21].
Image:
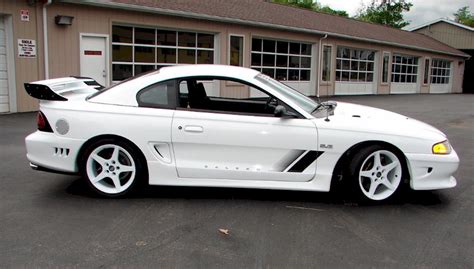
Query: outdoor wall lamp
[63, 20]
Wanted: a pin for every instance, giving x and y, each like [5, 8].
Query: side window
[159, 95]
[225, 95]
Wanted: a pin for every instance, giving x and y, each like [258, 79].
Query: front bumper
[53, 152]
[431, 171]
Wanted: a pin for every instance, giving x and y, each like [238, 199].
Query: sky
[421, 12]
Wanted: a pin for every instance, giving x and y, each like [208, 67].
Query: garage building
[315, 53]
[456, 35]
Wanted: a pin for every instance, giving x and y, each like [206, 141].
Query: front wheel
[111, 168]
[376, 173]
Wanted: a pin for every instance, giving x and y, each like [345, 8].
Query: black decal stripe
[305, 161]
[288, 159]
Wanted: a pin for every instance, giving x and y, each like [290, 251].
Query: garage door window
[404, 68]
[282, 60]
[355, 65]
[440, 71]
[136, 50]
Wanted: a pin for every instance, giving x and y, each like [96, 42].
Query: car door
[215, 143]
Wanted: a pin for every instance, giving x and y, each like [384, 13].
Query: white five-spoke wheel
[111, 168]
[377, 173]
[380, 175]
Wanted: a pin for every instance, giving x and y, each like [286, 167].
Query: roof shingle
[260, 11]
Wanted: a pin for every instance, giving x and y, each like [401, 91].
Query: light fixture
[63, 20]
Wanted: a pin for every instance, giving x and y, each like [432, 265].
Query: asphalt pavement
[53, 221]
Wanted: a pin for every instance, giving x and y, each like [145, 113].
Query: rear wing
[57, 89]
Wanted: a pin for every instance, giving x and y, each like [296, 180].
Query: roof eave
[440, 20]
[193, 15]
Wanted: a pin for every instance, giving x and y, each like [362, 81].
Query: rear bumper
[50, 152]
[431, 172]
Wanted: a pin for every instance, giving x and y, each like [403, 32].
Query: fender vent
[61, 152]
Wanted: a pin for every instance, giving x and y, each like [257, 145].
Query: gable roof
[270, 15]
[441, 20]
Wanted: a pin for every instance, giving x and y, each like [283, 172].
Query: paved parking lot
[49, 220]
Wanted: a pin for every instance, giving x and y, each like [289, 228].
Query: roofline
[441, 20]
[194, 15]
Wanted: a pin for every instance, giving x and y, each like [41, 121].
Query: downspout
[320, 71]
[45, 39]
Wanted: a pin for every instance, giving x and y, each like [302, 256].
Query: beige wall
[65, 54]
[64, 41]
[452, 35]
[25, 69]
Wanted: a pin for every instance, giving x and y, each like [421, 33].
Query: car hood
[380, 119]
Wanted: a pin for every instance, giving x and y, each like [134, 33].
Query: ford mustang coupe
[223, 126]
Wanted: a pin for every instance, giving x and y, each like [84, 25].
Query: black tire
[357, 190]
[140, 174]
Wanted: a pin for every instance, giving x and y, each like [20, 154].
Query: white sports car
[222, 126]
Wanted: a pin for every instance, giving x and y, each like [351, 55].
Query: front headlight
[442, 147]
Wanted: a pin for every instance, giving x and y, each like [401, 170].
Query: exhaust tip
[33, 166]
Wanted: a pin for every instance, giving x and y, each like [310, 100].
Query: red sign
[93, 52]
[25, 15]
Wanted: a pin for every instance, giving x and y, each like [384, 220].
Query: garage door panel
[354, 88]
[4, 108]
[3, 87]
[4, 99]
[440, 88]
[2, 36]
[3, 62]
[403, 88]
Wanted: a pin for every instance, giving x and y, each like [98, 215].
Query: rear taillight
[43, 124]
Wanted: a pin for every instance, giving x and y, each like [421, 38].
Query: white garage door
[403, 88]
[4, 107]
[405, 74]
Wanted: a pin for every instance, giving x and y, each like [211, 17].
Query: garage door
[4, 107]
[405, 74]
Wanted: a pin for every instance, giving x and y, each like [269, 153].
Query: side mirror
[281, 112]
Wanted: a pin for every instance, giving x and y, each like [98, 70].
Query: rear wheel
[376, 172]
[111, 168]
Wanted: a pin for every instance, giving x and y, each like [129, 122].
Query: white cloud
[421, 12]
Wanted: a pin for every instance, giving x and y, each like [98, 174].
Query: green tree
[464, 16]
[308, 4]
[386, 12]
[312, 5]
[328, 10]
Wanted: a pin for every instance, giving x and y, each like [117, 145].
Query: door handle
[193, 129]
[104, 74]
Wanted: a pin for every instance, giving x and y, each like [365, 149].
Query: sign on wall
[25, 15]
[26, 48]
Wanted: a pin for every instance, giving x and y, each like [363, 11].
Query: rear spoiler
[56, 89]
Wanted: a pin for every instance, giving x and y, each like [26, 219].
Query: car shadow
[407, 196]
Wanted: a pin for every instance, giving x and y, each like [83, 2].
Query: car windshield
[306, 103]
